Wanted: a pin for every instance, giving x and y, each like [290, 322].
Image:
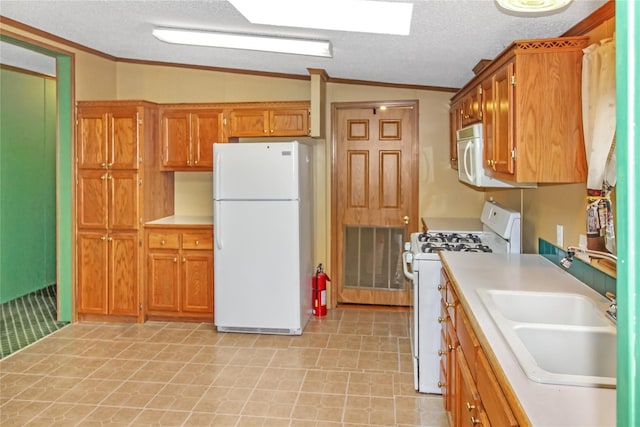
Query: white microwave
[471, 163]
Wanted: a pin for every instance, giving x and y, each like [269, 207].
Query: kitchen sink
[557, 338]
[560, 355]
[544, 307]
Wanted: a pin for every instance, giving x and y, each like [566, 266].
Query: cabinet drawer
[163, 240]
[468, 341]
[469, 398]
[493, 399]
[451, 303]
[197, 240]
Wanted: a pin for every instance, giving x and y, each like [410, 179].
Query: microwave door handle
[466, 161]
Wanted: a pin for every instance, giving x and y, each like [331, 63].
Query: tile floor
[350, 368]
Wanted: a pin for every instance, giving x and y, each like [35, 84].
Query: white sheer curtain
[599, 122]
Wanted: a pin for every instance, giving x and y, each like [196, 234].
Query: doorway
[64, 64]
[374, 198]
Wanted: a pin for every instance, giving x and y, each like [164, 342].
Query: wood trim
[218, 69]
[604, 13]
[392, 85]
[25, 71]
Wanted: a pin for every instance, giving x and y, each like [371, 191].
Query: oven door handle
[407, 258]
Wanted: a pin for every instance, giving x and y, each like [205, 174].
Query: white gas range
[497, 230]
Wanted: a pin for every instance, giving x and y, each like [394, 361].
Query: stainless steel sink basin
[557, 338]
[544, 307]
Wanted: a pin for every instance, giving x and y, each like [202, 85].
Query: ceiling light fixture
[532, 6]
[244, 41]
[364, 16]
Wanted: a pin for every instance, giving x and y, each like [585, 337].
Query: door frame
[65, 166]
[413, 223]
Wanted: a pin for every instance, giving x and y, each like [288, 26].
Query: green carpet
[27, 319]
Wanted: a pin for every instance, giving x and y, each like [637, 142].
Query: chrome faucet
[612, 311]
[571, 251]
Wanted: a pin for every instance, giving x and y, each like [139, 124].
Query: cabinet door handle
[441, 287]
[175, 259]
[441, 352]
[450, 304]
[103, 177]
[103, 238]
[475, 421]
[103, 165]
[470, 406]
[162, 242]
[184, 259]
[440, 319]
[109, 238]
[450, 347]
[197, 242]
[441, 384]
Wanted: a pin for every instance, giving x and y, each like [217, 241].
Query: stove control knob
[406, 220]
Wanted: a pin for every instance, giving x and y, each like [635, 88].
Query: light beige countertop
[545, 404]
[186, 220]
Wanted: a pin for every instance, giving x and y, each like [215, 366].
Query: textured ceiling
[448, 37]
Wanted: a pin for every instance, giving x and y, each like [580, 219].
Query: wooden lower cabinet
[471, 392]
[108, 272]
[179, 276]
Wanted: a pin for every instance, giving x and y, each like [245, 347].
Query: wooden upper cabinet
[108, 139]
[530, 97]
[501, 152]
[455, 124]
[188, 138]
[256, 122]
[471, 111]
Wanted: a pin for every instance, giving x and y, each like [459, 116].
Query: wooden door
[206, 128]
[175, 139]
[123, 273]
[488, 111]
[503, 119]
[163, 282]
[123, 138]
[375, 197]
[92, 292]
[124, 196]
[92, 136]
[197, 282]
[455, 124]
[92, 199]
[249, 123]
[289, 122]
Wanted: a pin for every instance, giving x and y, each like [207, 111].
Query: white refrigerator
[263, 225]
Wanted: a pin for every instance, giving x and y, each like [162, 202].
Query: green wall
[28, 121]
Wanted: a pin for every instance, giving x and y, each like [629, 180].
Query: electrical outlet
[560, 235]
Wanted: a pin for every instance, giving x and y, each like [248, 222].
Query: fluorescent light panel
[365, 16]
[529, 6]
[244, 41]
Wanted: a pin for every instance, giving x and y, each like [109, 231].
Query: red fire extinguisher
[319, 292]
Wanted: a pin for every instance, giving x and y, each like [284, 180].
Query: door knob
[405, 219]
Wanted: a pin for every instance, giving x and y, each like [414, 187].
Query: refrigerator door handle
[217, 176]
[217, 230]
